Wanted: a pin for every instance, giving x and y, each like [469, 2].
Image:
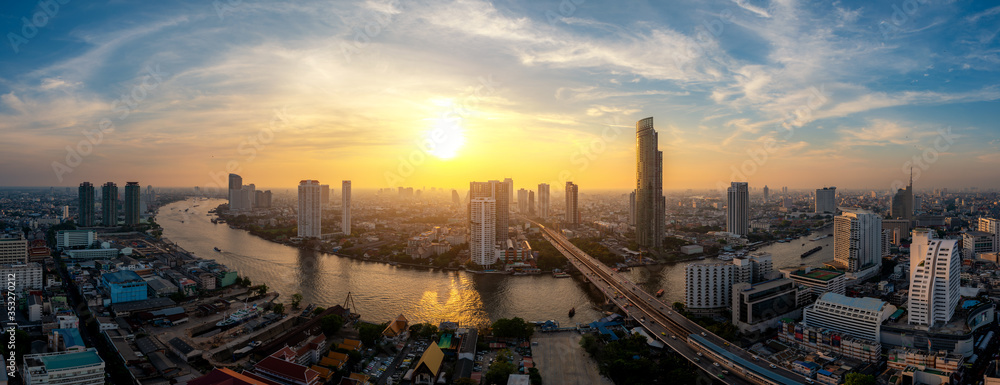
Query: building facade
[650, 204]
[109, 204]
[125, 286]
[572, 219]
[826, 200]
[497, 191]
[543, 200]
[707, 286]
[132, 195]
[738, 209]
[345, 202]
[310, 209]
[85, 205]
[857, 241]
[482, 230]
[857, 317]
[75, 368]
[935, 268]
[27, 276]
[760, 306]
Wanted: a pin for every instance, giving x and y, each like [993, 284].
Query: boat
[572, 312]
[559, 273]
[811, 251]
[240, 316]
[659, 293]
[217, 249]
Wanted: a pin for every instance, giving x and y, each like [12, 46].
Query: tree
[679, 306]
[859, 379]
[278, 308]
[296, 300]
[534, 376]
[370, 333]
[331, 324]
[501, 369]
[318, 310]
[512, 328]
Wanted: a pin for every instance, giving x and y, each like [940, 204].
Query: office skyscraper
[132, 192]
[766, 192]
[857, 241]
[522, 201]
[109, 204]
[86, 204]
[650, 205]
[310, 209]
[324, 194]
[738, 211]
[631, 208]
[455, 199]
[572, 210]
[345, 198]
[826, 200]
[543, 200]
[498, 192]
[235, 191]
[935, 268]
[902, 202]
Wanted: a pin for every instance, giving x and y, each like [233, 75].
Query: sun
[445, 138]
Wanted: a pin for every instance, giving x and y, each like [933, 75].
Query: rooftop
[121, 276]
[62, 361]
[819, 274]
[869, 304]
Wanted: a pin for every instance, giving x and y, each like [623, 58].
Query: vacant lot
[560, 359]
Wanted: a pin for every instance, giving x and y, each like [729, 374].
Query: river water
[381, 291]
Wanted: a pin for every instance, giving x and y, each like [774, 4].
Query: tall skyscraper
[345, 202]
[766, 192]
[509, 185]
[522, 201]
[738, 210]
[85, 204]
[132, 192]
[109, 204]
[325, 194]
[482, 229]
[784, 190]
[543, 200]
[650, 205]
[631, 208]
[857, 241]
[935, 268]
[455, 200]
[498, 191]
[572, 210]
[235, 191]
[902, 202]
[826, 200]
[531, 203]
[310, 209]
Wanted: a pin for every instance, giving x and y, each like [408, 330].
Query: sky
[438, 93]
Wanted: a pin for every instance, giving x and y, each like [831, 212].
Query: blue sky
[783, 93]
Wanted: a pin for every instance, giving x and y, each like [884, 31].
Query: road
[663, 323]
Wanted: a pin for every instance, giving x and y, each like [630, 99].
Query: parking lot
[561, 359]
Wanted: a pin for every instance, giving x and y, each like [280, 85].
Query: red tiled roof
[285, 369]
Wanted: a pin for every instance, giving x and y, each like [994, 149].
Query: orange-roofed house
[350, 345]
[223, 376]
[397, 331]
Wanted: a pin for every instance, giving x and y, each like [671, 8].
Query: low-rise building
[83, 368]
[125, 286]
[761, 306]
[27, 276]
[858, 317]
[815, 339]
[819, 280]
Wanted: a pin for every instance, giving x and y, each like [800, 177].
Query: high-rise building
[522, 201]
[455, 199]
[902, 203]
[856, 317]
[707, 286]
[86, 205]
[857, 242]
[345, 198]
[572, 209]
[13, 250]
[543, 200]
[738, 211]
[766, 192]
[826, 200]
[310, 209]
[498, 191]
[784, 190]
[482, 229]
[324, 194]
[267, 199]
[935, 266]
[509, 186]
[762, 305]
[109, 204]
[650, 205]
[631, 208]
[132, 192]
[531, 203]
[991, 226]
[235, 191]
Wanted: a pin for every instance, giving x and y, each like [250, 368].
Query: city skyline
[774, 94]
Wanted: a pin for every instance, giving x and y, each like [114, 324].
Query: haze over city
[775, 93]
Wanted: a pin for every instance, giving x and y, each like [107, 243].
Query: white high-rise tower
[935, 267]
[310, 209]
[857, 241]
